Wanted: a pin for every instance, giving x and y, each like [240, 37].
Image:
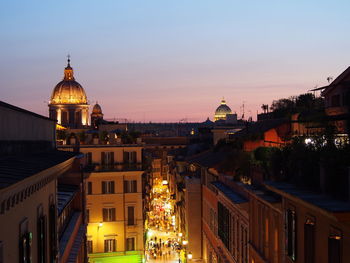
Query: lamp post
[189, 255]
[185, 243]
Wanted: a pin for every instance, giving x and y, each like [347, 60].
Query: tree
[265, 108]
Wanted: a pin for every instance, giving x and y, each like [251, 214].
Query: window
[334, 249]
[89, 246]
[26, 247]
[130, 186]
[53, 232]
[309, 241]
[88, 157]
[88, 215]
[224, 224]
[89, 188]
[131, 212]
[130, 157]
[25, 242]
[108, 187]
[291, 234]
[110, 245]
[41, 239]
[130, 243]
[107, 158]
[108, 214]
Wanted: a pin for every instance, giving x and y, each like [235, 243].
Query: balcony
[119, 167]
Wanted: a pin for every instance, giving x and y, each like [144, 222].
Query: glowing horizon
[165, 62]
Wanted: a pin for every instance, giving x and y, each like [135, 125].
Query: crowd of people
[162, 243]
[159, 248]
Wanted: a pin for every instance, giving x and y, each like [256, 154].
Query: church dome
[68, 91]
[97, 109]
[222, 111]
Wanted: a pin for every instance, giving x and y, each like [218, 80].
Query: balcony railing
[114, 167]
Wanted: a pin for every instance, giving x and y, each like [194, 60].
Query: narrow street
[163, 241]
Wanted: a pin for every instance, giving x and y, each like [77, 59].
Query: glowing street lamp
[100, 224]
[149, 233]
[184, 242]
[189, 255]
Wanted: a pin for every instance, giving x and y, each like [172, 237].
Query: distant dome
[68, 91]
[97, 109]
[207, 122]
[222, 111]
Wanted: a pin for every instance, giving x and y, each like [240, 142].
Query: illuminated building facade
[96, 115]
[222, 111]
[114, 201]
[68, 104]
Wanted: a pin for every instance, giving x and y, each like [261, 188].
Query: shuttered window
[334, 249]
[53, 232]
[291, 234]
[25, 255]
[107, 187]
[110, 245]
[41, 239]
[309, 242]
[130, 186]
[89, 188]
[134, 186]
[108, 214]
[89, 246]
[224, 224]
[131, 212]
[130, 157]
[130, 244]
[88, 158]
[107, 158]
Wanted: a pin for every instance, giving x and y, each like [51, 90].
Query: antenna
[243, 110]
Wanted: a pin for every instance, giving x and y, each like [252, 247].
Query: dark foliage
[299, 104]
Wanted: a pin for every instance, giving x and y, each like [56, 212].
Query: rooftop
[264, 194]
[12, 107]
[15, 168]
[322, 201]
[259, 127]
[208, 159]
[229, 193]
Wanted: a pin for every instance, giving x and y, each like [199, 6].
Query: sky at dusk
[170, 60]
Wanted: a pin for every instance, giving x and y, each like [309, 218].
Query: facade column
[58, 115]
[84, 117]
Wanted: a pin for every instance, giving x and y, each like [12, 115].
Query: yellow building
[114, 202]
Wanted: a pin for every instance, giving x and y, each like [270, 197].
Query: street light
[100, 225]
[184, 242]
[189, 255]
